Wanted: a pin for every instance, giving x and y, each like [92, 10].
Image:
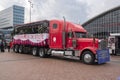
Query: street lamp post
[31, 6]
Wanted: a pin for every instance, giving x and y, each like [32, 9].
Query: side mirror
[74, 43]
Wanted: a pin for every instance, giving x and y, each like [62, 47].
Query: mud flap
[103, 56]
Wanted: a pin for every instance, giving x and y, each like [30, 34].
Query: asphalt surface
[14, 66]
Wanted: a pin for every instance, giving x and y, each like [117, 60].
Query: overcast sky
[77, 11]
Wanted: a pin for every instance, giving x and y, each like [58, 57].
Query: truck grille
[103, 44]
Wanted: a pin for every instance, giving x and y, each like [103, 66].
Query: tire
[48, 55]
[42, 52]
[48, 52]
[20, 49]
[16, 48]
[34, 51]
[88, 57]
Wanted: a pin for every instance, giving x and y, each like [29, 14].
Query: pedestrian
[8, 46]
[2, 46]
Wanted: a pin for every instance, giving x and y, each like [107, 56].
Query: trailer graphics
[31, 39]
[48, 37]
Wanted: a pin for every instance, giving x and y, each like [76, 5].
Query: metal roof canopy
[100, 15]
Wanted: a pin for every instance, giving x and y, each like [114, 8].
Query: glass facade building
[18, 15]
[104, 24]
[11, 16]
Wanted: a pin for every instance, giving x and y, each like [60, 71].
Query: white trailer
[114, 43]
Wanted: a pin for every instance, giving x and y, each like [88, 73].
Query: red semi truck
[48, 37]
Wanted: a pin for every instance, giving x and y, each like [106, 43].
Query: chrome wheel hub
[41, 53]
[87, 58]
[34, 51]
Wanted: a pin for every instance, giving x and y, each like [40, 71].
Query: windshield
[80, 35]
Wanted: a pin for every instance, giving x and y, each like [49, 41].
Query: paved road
[15, 66]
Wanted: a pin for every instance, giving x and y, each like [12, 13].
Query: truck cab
[72, 40]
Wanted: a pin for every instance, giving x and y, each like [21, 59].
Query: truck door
[69, 40]
[55, 38]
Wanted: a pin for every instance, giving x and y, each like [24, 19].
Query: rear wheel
[47, 52]
[20, 49]
[48, 55]
[42, 53]
[34, 51]
[88, 57]
[16, 48]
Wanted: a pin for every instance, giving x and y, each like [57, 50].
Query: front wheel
[88, 57]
